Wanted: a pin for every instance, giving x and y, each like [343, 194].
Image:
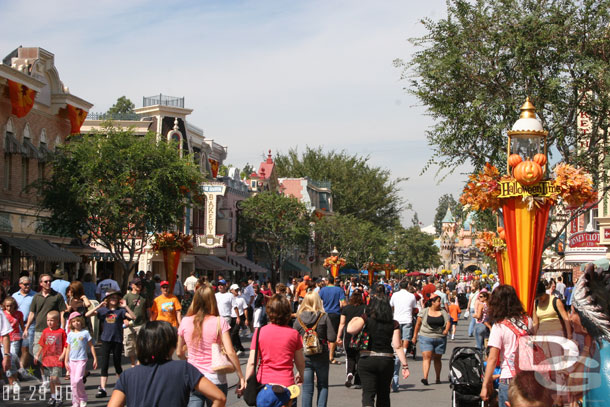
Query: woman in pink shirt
[197, 332]
[280, 347]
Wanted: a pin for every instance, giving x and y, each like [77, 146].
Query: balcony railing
[112, 116]
[162, 100]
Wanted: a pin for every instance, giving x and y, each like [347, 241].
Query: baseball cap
[234, 287]
[164, 282]
[223, 282]
[306, 277]
[136, 281]
[276, 395]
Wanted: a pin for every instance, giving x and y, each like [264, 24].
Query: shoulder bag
[220, 361]
[252, 384]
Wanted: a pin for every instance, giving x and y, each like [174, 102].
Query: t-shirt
[502, 338]
[5, 326]
[226, 302]
[248, 294]
[78, 342]
[454, 311]
[403, 303]
[89, 288]
[561, 288]
[380, 334]
[166, 308]
[241, 306]
[156, 385]
[14, 320]
[42, 305]
[301, 290]
[112, 330]
[52, 342]
[107, 285]
[200, 353]
[350, 311]
[61, 286]
[277, 356]
[24, 302]
[190, 283]
[137, 303]
[331, 299]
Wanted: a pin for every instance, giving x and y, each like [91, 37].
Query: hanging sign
[211, 239]
[509, 189]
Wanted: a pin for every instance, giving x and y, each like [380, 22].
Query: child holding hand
[52, 347]
[76, 357]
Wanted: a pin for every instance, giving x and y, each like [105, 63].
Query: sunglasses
[45, 282]
[25, 284]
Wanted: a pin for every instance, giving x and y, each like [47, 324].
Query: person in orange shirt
[166, 307]
[454, 312]
[301, 289]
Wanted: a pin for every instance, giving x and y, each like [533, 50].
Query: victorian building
[37, 113]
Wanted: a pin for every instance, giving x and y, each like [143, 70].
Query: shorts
[52, 371]
[29, 341]
[435, 345]
[334, 320]
[36, 345]
[129, 340]
[453, 321]
[406, 332]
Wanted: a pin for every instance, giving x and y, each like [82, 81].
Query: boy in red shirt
[52, 347]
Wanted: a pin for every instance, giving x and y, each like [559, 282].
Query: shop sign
[585, 239]
[211, 239]
[542, 189]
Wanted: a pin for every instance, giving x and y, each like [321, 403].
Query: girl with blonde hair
[199, 329]
[311, 315]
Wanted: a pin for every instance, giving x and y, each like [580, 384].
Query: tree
[444, 202]
[122, 106]
[116, 189]
[475, 68]
[358, 241]
[415, 250]
[365, 192]
[276, 223]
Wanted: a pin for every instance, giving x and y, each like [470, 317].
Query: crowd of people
[200, 321]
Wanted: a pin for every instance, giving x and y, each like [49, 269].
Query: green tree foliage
[475, 68]
[116, 189]
[415, 250]
[444, 202]
[276, 223]
[358, 241]
[122, 106]
[360, 190]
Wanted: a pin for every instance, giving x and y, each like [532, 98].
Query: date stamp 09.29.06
[35, 393]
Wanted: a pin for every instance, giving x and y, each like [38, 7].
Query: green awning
[294, 266]
[213, 263]
[41, 250]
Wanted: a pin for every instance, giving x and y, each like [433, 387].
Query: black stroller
[466, 377]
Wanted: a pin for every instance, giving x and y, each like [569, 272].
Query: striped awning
[41, 250]
[11, 145]
[247, 264]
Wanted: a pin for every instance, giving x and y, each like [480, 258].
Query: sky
[258, 75]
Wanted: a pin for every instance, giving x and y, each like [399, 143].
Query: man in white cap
[237, 318]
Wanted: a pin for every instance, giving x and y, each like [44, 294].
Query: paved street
[412, 391]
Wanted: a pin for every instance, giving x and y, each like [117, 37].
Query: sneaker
[350, 378]
[357, 386]
[83, 404]
[100, 393]
[239, 352]
[16, 388]
[52, 402]
[44, 388]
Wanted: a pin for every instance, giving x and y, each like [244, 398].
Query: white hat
[234, 287]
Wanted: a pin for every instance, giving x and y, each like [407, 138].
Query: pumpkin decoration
[501, 233]
[514, 160]
[540, 159]
[528, 173]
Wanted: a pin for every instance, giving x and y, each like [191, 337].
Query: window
[8, 170]
[40, 170]
[25, 171]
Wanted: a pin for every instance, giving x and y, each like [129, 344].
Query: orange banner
[22, 98]
[213, 167]
[503, 267]
[525, 231]
[77, 116]
[171, 261]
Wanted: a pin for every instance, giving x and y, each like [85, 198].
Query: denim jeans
[503, 394]
[199, 400]
[396, 375]
[471, 325]
[318, 365]
[480, 333]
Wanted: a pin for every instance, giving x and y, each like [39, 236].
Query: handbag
[220, 361]
[252, 384]
[360, 341]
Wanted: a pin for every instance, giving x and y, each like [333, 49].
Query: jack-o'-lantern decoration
[501, 233]
[540, 159]
[528, 173]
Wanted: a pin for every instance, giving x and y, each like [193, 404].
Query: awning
[29, 150]
[295, 266]
[244, 262]
[45, 153]
[11, 145]
[41, 250]
[213, 263]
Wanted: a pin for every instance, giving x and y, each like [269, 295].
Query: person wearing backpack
[509, 321]
[317, 331]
